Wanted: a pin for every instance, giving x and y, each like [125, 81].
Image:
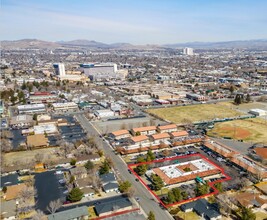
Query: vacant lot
[245, 107]
[195, 113]
[24, 157]
[251, 130]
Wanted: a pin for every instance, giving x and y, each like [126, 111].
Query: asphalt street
[147, 201]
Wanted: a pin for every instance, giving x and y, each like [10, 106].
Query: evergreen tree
[238, 99]
[75, 195]
[219, 186]
[248, 98]
[73, 162]
[151, 216]
[104, 168]
[89, 165]
[246, 214]
[124, 186]
[202, 189]
[232, 89]
[157, 182]
[170, 197]
[141, 169]
[150, 156]
[24, 86]
[177, 194]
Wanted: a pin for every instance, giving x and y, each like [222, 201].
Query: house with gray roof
[109, 182]
[116, 205]
[8, 209]
[78, 172]
[203, 208]
[71, 214]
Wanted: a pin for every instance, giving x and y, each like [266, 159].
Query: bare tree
[123, 126]
[54, 206]
[152, 122]
[6, 145]
[39, 157]
[131, 192]
[6, 134]
[27, 194]
[39, 215]
[29, 181]
[187, 123]
[144, 124]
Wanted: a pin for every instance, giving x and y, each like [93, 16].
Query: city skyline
[138, 22]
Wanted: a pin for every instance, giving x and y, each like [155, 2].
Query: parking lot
[50, 186]
[17, 138]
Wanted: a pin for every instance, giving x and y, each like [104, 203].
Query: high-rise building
[188, 51]
[59, 69]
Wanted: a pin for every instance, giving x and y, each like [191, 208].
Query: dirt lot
[246, 106]
[196, 113]
[114, 125]
[250, 130]
[24, 157]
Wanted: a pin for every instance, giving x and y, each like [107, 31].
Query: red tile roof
[179, 133]
[160, 136]
[141, 129]
[139, 138]
[120, 132]
[166, 127]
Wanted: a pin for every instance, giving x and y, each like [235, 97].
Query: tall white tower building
[60, 69]
[188, 51]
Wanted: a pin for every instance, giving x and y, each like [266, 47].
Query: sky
[134, 21]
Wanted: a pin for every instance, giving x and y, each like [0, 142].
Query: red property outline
[211, 184]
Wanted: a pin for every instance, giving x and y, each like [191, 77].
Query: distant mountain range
[225, 44]
[90, 44]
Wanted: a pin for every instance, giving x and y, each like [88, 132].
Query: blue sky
[134, 21]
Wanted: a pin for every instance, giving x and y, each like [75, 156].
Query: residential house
[92, 157]
[145, 130]
[203, 208]
[8, 210]
[251, 199]
[109, 182]
[78, 172]
[116, 204]
[167, 128]
[70, 214]
[120, 134]
[85, 186]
